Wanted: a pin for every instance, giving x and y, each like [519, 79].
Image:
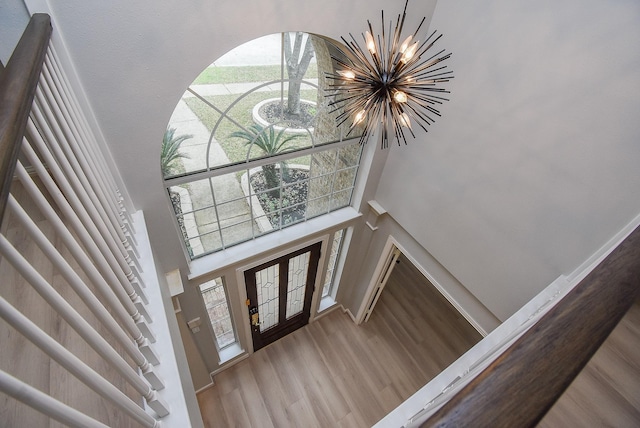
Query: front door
[279, 294]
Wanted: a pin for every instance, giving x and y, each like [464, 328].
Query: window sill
[327, 302]
[207, 264]
[229, 353]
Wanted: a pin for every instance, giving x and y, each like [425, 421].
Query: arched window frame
[336, 196]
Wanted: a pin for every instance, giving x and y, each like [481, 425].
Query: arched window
[252, 146]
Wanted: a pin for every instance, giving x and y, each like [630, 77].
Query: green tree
[271, 143]
[170, 153]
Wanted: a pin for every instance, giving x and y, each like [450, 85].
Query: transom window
[252, 146]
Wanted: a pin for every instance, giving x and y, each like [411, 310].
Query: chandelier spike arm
[396, 33]
[355, 49]
[422, 119]
[401, 18]
[389, 82]
[422, 47]
[434, 59]
[424, 75]
[429, 62]
[399, 133]
[389, 48]
[397, 49]
[427, 100]
[358, 102]
[359, 71]
[404, 121]
[382, 22]
[425, 103]
[423, 115]
[415, 33]
[432, 80]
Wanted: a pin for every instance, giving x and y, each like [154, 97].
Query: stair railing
[44, 133]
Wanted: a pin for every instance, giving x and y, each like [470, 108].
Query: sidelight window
[217, 306]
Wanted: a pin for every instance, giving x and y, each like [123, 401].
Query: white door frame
[391, 245]
[386, 263]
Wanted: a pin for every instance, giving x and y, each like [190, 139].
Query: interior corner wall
[197, 368]
[14, 18]
[376, 240]
[533, 165]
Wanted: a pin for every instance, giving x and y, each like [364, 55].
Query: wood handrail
[18, 82]
[518, 388]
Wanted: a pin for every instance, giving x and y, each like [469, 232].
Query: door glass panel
[267, 281]
[296, 285]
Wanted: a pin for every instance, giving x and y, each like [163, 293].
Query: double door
[279, 294]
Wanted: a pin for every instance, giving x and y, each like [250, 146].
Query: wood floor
[607, 391]
[25, 361]
[333, 373]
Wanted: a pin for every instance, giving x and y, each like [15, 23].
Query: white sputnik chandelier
[393, 82]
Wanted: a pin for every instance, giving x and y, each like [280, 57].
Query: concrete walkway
[202, 225]
[200, 219]
[196, 199]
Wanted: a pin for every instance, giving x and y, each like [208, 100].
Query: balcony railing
[516, 374]
[522, 383]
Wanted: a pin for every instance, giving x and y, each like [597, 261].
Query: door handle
[255, 316]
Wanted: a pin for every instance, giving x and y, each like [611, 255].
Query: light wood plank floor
[333, 373]
[607, 391]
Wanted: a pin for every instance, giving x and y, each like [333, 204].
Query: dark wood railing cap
[18, 82]
[520, 387]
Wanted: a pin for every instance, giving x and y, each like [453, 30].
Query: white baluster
[59, 109]
[48, 124]
[74, 365]
[75, 320]
[92, 302]
[98, 229]
[126, 310]
[89, 136]
[45, 403]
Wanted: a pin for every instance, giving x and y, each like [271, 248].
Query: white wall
[135, 60]
[13, 20]
[534, 164]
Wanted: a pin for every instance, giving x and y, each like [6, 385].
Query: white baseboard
[353, 318]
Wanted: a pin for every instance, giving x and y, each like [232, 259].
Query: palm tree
[271, 144]
[170, 154]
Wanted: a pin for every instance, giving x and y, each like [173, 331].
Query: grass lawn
[254, 73]
[236, 148]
